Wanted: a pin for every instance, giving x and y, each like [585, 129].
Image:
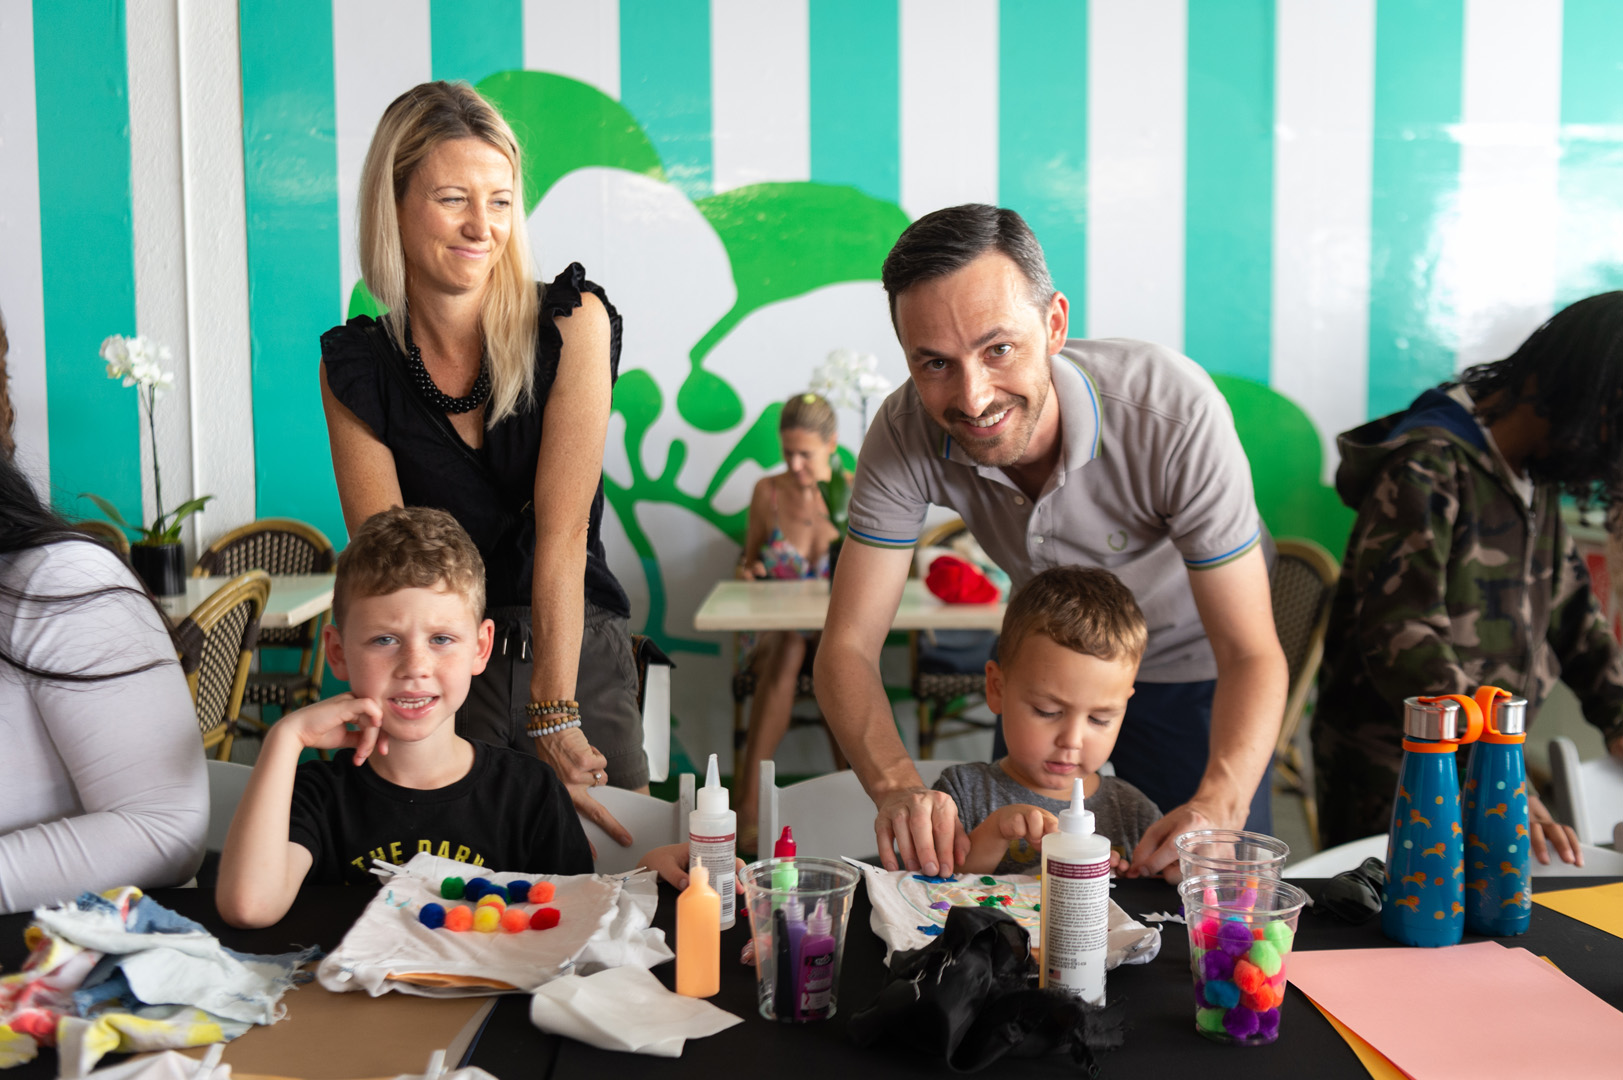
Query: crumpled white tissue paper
[625, 1008]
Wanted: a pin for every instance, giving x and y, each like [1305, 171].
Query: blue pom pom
[498, 891]
[518, 891]
[1222, 994]
[432, 916]
[476, 888]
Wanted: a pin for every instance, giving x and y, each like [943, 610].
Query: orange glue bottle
[698, 937]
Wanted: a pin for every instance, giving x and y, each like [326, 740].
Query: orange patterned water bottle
[1424, 902]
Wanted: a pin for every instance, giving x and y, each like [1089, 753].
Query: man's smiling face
[978, 348]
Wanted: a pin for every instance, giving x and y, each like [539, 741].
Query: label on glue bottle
[715, 854]
[1076, 921]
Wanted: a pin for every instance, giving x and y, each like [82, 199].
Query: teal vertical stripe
[1229, 207]
[290, 159]
[1591, 176]
[665, 82]
[87, 250]
[1419, 65]
[856, 100]
[470, 39]
[1043, 133]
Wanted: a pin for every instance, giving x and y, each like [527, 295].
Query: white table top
[294, 598]
[803, 605]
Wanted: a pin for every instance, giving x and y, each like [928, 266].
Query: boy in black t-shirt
[409, 634]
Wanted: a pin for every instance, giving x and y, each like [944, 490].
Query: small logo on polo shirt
[1117, 540]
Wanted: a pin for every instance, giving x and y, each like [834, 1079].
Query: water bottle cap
[1510, 716]
[1438, 719]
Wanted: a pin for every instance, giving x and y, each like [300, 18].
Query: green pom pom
[1264, 955]
[1280, 936]
[451, 888]
[1210, 1020]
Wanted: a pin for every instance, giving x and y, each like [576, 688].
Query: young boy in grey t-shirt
[1067, 657]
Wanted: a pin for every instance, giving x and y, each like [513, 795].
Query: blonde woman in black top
[481, 394]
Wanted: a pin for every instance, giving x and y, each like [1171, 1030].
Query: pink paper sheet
[1474, 1011]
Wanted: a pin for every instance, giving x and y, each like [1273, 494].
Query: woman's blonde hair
[809, 412]
[415, 123]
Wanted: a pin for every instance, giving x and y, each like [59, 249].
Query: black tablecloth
[1158, 998]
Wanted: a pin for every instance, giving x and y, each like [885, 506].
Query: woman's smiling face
[456, 215]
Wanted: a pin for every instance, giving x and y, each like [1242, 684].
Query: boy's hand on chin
[326, 725]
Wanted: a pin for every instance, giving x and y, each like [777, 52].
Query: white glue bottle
[1076, 904]
[713, 840]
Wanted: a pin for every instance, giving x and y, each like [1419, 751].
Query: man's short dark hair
[945, 241]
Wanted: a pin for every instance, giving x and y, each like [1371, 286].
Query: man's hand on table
[923, 826]
[1155, 853]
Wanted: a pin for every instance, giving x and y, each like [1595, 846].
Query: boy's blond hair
[1082, 608]
[416, 547]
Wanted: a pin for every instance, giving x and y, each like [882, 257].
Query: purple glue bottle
[816, 967]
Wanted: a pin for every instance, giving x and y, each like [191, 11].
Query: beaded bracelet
[560, 705]
[537, 731]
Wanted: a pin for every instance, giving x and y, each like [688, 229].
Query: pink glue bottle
[816, 966]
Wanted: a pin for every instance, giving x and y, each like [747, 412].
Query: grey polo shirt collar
[1080, 429]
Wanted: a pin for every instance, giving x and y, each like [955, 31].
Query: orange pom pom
[459, 918]
[544, 919]
[514, 920]
[1249, 977]
[541, 892]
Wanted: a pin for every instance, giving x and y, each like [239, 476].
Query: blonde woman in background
[787, 538]
[487, 395]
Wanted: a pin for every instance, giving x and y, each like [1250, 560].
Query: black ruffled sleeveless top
[488, 490]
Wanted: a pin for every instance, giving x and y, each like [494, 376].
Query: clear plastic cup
[1230, 851]
[1241, 931]
[774, 890]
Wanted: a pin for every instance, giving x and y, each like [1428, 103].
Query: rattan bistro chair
[948, 667]
[216, 644]
[1302, 584]
[277, 546]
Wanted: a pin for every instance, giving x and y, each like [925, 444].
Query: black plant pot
[161, 567]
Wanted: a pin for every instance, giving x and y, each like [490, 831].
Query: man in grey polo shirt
[1111, 453]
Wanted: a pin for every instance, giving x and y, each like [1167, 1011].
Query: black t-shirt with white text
[510, 813]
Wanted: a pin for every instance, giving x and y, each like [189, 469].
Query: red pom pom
[958, 581]
[544, 919]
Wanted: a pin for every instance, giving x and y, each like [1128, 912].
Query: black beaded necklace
[437, 397]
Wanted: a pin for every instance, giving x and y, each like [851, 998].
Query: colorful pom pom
[514, 920]
[1248, 977]
[544, 919]
[517, 891]
[1266, 957]
[1200, 995]
[1222, 994]
[542, 892]
[1247, 899]
[1217, 964]
[1235, 939]
[451, 888]
[499, 891]
[487, 919]
[475, 888]
[1205, 933]
[432, 916]
[1280, 936]
[1240, 1022]
[1209, 1020]
[1268, 1024]
[490, 899]
[459, 918]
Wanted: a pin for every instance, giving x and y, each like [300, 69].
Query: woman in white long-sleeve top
[102, 780]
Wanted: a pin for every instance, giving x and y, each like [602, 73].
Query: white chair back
[652, 823]
[1588, 795]
[831, 815]
[1598, 862]
[227, 782]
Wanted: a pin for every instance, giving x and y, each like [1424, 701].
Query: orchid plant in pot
[155, 553]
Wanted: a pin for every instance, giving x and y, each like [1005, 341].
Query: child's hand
[671, 863]
[324, 726]
[1019, 821]
[1547, 834]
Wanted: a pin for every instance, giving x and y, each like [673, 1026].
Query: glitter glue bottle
[816, 965]
[698, 937]
[1076, 904]
[1424, 900]
[1498, 852]
[713, 839]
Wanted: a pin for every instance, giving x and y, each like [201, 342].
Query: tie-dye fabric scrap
[120, 973]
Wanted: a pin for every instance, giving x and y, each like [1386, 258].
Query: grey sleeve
[1209, 503]
[888, 503]
[971, 790]
[130, 746]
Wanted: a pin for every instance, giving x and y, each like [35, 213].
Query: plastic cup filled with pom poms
[1230, 851]
[1241, 931]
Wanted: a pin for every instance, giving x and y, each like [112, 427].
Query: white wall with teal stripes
[1329, 205]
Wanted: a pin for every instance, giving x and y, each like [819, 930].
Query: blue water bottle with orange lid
[1498, 895]
[1424, 901]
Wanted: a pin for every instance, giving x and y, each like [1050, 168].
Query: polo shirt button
[1019, 500]
[1039, 539]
